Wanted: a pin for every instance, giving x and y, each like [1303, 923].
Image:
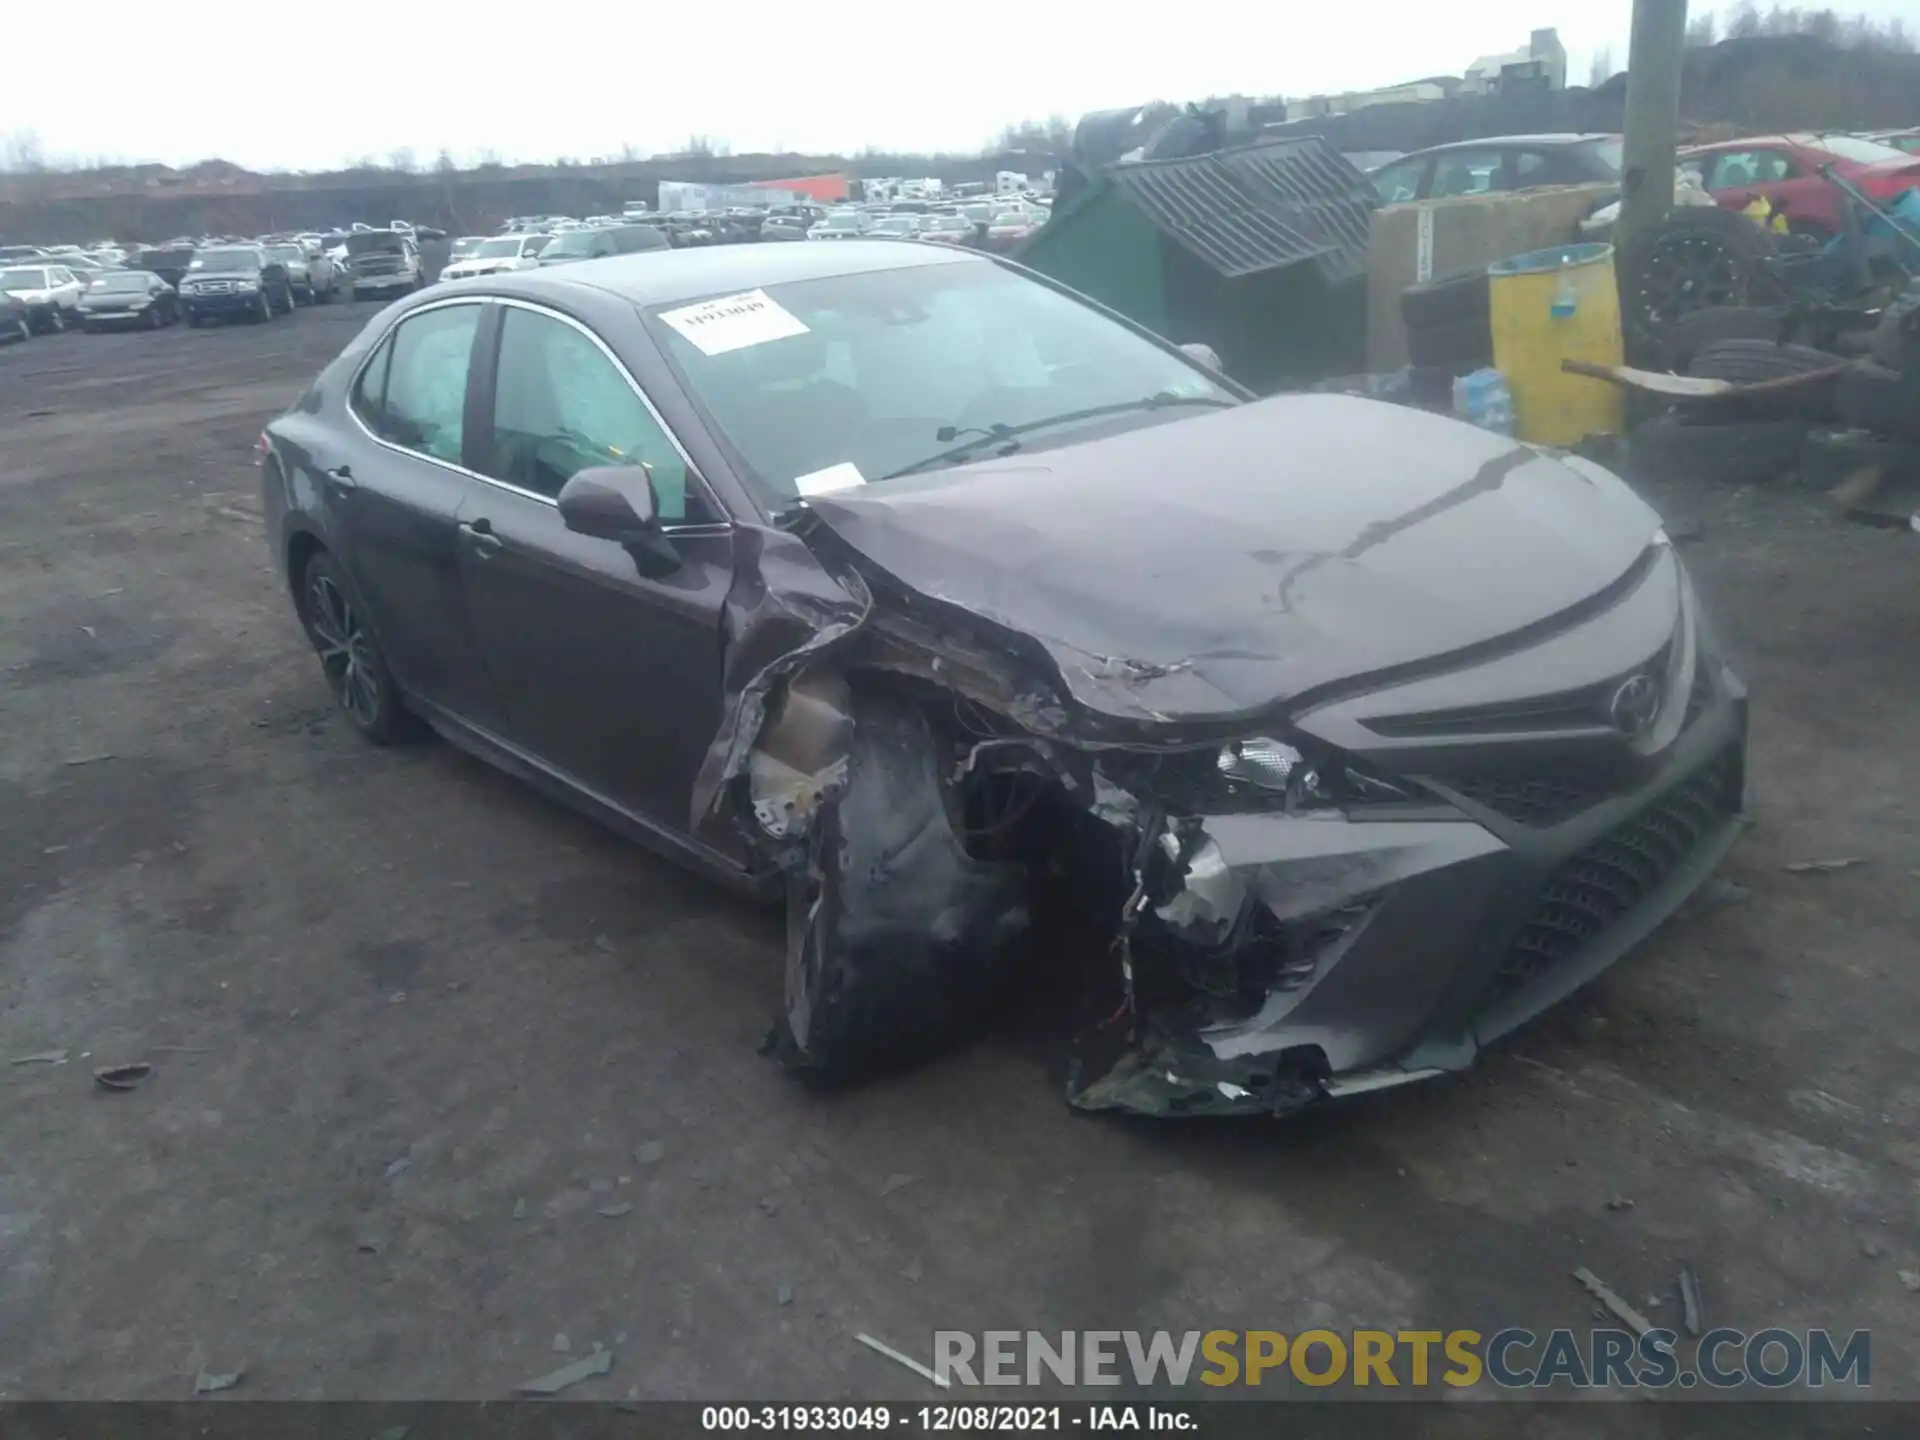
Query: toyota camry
[903, 587]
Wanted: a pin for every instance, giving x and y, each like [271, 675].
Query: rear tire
[350, 657]
[265, 311]
[56, 320]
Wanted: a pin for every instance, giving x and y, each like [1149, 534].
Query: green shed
[1259, 251]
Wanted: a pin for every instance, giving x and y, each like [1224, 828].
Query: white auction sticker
[843, 476]
[734, 322]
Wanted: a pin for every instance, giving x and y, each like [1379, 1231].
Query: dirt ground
[420, 1037]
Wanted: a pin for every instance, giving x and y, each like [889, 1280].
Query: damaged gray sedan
[1323, 741]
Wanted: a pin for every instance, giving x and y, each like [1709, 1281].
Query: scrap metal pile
[1758, 357]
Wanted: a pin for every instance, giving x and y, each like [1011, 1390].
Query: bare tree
[1703, 30]
[1745, 22]
[444, 163]
[1601, 70]
[22, 153]
[401, 159]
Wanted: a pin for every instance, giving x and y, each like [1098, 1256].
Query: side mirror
[617, 503]
[1205, 354]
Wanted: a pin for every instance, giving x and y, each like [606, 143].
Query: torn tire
[896, 936]
[1447, 300]
[1670, 447]
[1873, 397]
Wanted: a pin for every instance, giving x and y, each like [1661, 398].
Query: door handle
[479, 531]
[340, 477]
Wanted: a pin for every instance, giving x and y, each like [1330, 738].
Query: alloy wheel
[346, 653]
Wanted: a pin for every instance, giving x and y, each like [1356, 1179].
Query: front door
[610, 677]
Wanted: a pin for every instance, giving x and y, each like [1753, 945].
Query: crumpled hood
[1242, 558]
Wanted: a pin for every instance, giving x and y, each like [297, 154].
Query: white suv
[51, 294]
[498, 253]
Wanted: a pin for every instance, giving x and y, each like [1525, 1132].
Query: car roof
[660, 277]
[1565, 138]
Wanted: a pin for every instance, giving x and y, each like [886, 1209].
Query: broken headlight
[1266, 763]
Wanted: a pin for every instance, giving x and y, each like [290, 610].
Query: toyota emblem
[1635, 706]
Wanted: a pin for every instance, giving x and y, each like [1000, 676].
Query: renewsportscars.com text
[1512, 1358]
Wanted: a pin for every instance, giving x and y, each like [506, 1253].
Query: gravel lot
[417, 1032]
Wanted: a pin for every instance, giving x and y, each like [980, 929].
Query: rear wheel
[56, 320]
[350, 658]
[264, 312]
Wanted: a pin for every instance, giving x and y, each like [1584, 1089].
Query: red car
[1786, 170]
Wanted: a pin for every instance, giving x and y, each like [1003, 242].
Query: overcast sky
[312, 85]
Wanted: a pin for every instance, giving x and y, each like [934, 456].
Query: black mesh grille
[1538, 801]
[1608, 878]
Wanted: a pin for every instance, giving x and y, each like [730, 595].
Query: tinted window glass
[370, 390]
[561, 406]
[425, 390]
[1465, 172]
[1399, 183]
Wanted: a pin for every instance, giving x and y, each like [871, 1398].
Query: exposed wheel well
[300, 552]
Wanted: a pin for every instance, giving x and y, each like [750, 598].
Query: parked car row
[1787, 171]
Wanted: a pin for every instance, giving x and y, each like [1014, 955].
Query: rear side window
[414, 393]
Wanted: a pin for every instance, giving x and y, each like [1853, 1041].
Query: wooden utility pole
[1653, 114]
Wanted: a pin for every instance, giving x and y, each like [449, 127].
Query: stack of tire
[1865, 412]
[1449, 333]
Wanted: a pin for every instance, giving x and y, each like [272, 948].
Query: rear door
[393, 498]
[610, 677]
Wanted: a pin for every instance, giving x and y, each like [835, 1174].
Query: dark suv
[571, 245]
[235, 281]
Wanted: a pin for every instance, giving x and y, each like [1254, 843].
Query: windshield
[289, 254]
[498, 249]
[840, 222]
[23, 280]
[1863, 152]
[572, 242]
[887, 370]
[124, 280]
[898, 225]
[462, 248]
[225, 260]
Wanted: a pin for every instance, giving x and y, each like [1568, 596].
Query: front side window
[890, 369]
[422, 398]
[1740, 168]
[1465, 172]
[1399, 183]
[561, 406]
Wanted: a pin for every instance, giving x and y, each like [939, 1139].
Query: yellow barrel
[1554, 305]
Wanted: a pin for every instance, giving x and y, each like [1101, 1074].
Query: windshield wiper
[1007, 436]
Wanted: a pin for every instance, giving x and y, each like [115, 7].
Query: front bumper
[1450, 934]
[113, 317]
[235, 302]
